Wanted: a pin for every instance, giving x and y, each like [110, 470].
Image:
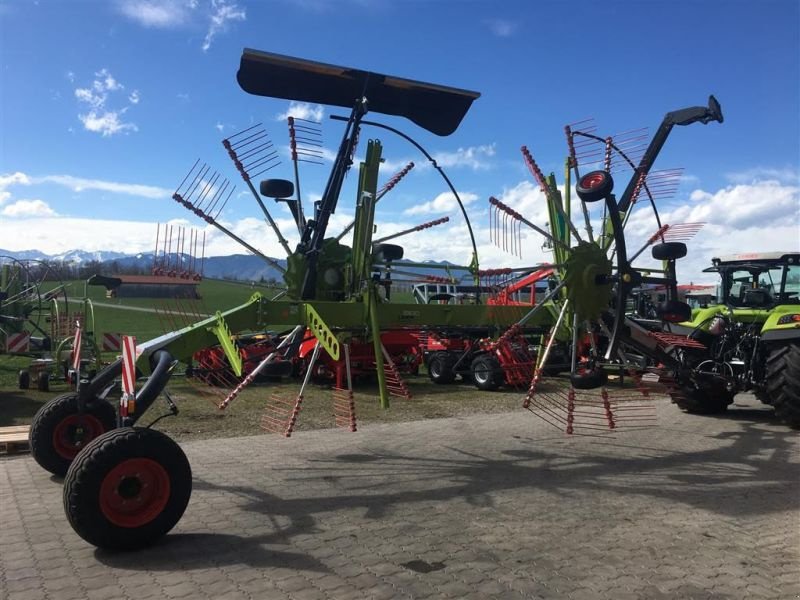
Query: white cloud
[758, 217]
[219, 127]
[175, 14]
[106, 123]
[502, 27]
[28, 208]
[444, 202]
[474, 157]
[162, 14]
[101, 118]
[223, 13]
[80, 184]
[9, 179]
[302, 110]
[784, 175]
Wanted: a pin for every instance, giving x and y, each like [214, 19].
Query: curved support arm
[435, 166]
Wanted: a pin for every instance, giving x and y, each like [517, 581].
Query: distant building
[152, 286]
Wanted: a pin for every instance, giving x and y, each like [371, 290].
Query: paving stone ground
[497, 506]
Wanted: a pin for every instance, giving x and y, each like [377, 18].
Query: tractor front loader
[750, 341]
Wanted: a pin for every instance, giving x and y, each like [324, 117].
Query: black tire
[43, 381]
[674, 311]
[387, 252]
[702, 402]
[783, 383]
[277, 188]
[594, 186]
[127, 488]
[24, 380]
[589, 380]
[58, 432]
[440, 367]
[669, 251]
[487, 374]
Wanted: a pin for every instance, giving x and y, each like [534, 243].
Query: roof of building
[155, 280]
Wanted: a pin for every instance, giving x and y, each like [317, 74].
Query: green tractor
[751, 339]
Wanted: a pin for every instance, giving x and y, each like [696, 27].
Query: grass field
[200, 418]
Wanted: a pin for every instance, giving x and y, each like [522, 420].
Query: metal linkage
[251, 150]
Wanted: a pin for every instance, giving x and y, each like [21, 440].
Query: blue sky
[106, 105]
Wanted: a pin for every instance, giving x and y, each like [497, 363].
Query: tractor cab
[759, 281]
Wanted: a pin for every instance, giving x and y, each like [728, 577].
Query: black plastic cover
[436, 108]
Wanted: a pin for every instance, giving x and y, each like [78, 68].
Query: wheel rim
[482, 373]
[74, 432]
[592, 180]
[134, 492]
[435, 368]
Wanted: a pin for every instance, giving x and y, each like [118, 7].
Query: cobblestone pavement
[497, 506]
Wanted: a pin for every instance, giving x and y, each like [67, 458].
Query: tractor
[750, 340]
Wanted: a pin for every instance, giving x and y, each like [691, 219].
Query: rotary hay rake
[596, 276]
[129, 486]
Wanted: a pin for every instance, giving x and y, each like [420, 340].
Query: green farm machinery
[749, 341]
[36, 321]
[126, 486]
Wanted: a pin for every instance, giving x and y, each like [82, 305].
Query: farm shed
[153, 286]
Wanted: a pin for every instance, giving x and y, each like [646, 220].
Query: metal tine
[265, 170]
[244, 131]
[216, 216]
[254, 151]
[218, 194]
[207, 189]
[194, 179]
[187, 176]
[587, 125]
[265, 165]
[253, 137]
[259, 160]
[199, 179]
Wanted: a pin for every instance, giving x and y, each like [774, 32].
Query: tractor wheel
[127, 488]
[58, 432]
[594, 186]
[783, 382]
[674, 311]
[440, 368]
[701, 402]
[24, 380]
[487, 373]
[588, 379]
[43, 381]
[669, 251]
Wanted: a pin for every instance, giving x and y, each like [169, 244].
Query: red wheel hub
[134, 492]
[74, 432]
[593, 180]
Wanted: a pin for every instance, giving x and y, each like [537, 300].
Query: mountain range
[240, 267]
